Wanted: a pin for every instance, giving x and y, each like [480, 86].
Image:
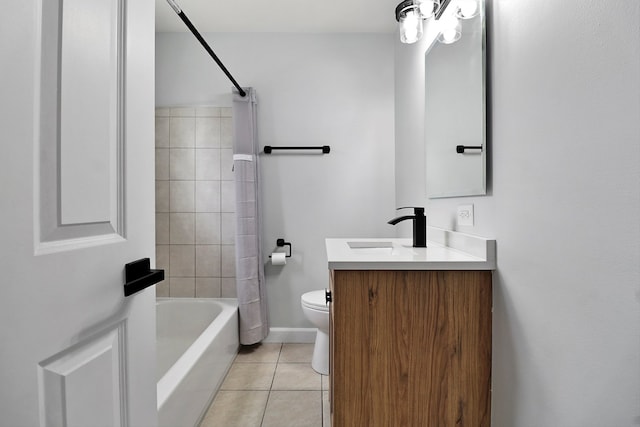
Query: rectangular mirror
[455, 116]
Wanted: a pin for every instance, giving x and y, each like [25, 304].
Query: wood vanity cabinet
[410, 348]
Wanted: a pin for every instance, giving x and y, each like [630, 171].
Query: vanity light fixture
[451, 30]
[411, 15]
[467, 9]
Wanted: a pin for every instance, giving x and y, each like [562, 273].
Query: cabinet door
[411, 348]
[331, 346]
[350, 380]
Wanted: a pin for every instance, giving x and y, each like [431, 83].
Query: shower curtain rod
[202, 41]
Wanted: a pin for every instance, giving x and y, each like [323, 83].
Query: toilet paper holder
[280, 243]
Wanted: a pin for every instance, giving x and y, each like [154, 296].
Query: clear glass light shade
[410, 27]
[427, 8]
[467, 9]
[450, 30]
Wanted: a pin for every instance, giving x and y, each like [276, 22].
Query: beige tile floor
[271, 385]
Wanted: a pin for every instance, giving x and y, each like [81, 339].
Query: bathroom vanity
[410, 331]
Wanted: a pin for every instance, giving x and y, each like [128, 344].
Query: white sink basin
[370, 245]
[371, 248]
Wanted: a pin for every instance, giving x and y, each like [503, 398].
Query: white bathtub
[197, 340]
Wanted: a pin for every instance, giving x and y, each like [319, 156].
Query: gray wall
[332, 90]
[564, 206]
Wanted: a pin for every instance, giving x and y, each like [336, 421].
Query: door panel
[77, 119]
[89, 63]
[80, 175]
[93, 364]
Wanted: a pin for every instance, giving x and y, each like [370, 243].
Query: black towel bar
[268, 148]
[460, 148]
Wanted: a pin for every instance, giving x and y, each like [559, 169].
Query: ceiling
[289, 16]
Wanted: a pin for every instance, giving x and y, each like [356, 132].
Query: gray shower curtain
[254, 322]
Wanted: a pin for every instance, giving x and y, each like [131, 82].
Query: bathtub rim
[179, 370]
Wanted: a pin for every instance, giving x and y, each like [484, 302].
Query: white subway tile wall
[195, 202]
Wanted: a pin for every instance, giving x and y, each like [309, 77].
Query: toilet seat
[316, 310]
[315, 300]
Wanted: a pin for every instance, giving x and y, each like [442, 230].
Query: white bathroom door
[77, 204]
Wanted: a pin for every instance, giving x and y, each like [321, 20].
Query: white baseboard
[291, 335]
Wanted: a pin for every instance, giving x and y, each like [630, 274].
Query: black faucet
[419, 225]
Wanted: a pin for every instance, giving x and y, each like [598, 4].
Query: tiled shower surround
[195, 202]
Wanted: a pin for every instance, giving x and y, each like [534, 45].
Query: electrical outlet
[465, 215]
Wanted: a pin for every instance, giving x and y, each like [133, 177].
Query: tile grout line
[195, 249]
[279, 360]
[169, 205]
[264, 412]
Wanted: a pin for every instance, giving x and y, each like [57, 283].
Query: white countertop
[400, 255]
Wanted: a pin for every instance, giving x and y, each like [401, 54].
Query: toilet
[315, 308]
